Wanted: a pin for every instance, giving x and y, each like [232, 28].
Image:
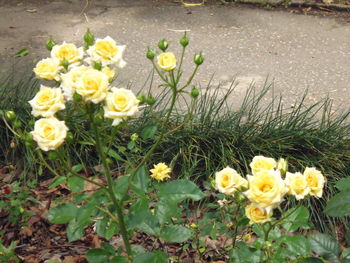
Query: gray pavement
[298, 52]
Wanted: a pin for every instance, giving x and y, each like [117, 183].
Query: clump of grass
[218, 134]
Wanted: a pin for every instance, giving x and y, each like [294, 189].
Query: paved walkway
[297, 51]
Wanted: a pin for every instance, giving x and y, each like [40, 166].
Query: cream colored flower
[120, 104]
[260, 163]
[70, 79]
[47, 68]
[92, 85]
[282, 165]
[297, 185]
[49, 133]
[107, 52]
[109, 72]
[257, 214]
[266, 189]
[68, 52]
[47, 102]
[315, 180]
[160, 172]
[228, 180]
[167, 61]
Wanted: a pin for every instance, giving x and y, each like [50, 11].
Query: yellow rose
[315, 180]
[228, 180]
[47, 68]
[167, 61]
[297, 185]
[260, 163]
[160, 171]
[49, 133]
[109, 72]
[266, 188]
[92, 85]
[120, 104]
[47, 102]
[70, 79]
[257, 214]
[68, 52]
[107, 52]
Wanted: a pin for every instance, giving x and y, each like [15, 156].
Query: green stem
[236, 226]
[180, 64]
[160, 74]
[190, 79]
[120, 215]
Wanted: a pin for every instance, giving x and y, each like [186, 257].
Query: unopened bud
[97, 65]
[17, 124]
[184, 40]
[282, 166]
[10, 115]
[198, 59]
[194, 93]
[50, 43]
[142, 98]
[150, 100]
[150, 54]
[89, 38]
[163, 44]
[65, 63]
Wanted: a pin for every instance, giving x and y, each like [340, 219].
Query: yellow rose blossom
[68, 52]
[107, 52]
[228, 180]
[167, 61]
[109, 72]
[48, 69]
[266, 189]
[315, 180]
[160, 172]
[49, 133]
[70, 79]
[120, 104]
[297, 185]
[282, 165]
[260, 163]
[47, 102]
[257, 215]
[92, 85]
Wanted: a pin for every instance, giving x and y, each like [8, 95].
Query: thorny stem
[235, 230]
[120, 215]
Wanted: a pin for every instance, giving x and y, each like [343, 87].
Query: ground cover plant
[138, 183]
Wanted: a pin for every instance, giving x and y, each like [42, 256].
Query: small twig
[83, 10]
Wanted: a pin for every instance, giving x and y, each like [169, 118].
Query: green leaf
[179, 190]
[298, 218]
[148, 132]
[150, 225]
[106, 228]
[346, 253]
[298, 245]
[59, 180]
[140, 181]
[343, 184]
[62, 213]
[310, 260]
[137, 249]
[120, 187]
[77, 168]
[339, 205]
[75, 231]
[97, 255]
[166, 209]
[175, 234]
[244, 254]
[114, 155]
[119, 259]
[137, 212]
[75, 184]
[324, 245]
[154, 257]
[109, 248]
[22, 53]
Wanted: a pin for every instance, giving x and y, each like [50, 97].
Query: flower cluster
[265, 188]
[86, 72]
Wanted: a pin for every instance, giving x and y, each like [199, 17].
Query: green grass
[216, 136]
